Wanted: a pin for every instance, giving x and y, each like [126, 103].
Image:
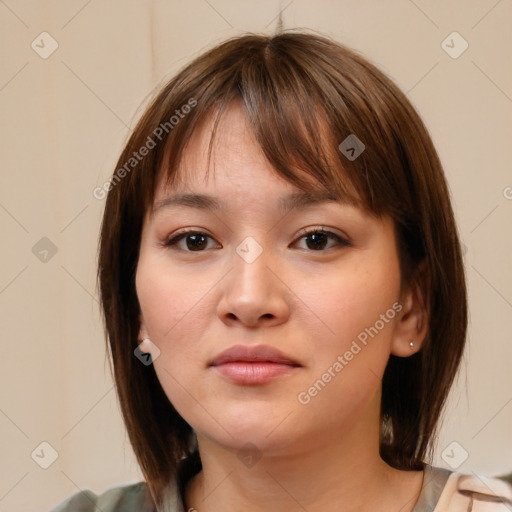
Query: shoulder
[125, 498]
[132, 497]
[463, 491]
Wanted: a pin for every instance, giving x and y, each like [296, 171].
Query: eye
[195, 241]
[318, 238]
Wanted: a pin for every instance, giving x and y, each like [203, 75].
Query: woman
[284, 324]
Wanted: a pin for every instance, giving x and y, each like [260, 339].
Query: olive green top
[135, 497]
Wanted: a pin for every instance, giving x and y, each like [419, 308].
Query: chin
[264, 432]
[256, 441]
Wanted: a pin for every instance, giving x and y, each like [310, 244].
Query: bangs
[297, 121]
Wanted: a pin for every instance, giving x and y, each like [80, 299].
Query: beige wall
[64, 120]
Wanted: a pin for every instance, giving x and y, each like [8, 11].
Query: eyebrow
[206, 202]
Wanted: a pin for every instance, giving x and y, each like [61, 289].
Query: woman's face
[251, 276]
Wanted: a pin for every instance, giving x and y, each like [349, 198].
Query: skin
[310, 304]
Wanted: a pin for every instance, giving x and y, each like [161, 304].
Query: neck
[343, 472]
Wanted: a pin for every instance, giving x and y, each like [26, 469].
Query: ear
[145, 344]
[413, 319]
[143, 333]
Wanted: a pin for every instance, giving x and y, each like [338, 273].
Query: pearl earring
[411, 345]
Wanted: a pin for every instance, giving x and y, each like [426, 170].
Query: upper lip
[258, 353]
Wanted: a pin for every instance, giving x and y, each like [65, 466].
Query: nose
[254, 293]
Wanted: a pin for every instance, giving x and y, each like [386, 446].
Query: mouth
[243, 364]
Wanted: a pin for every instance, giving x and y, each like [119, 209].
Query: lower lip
[253, 373]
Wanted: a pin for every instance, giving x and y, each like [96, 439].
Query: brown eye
[194, 241]
[317, 239]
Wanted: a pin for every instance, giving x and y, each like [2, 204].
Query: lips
[253, 354]
[253, 365]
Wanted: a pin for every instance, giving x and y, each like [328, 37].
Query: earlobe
[143, 333]
[412, 325]
[145, 344]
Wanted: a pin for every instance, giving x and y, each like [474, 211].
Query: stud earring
[411, 345]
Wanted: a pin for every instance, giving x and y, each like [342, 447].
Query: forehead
[228, 146]
[224, 156]
[236, 159]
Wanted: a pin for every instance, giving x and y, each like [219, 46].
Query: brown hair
[303, 94]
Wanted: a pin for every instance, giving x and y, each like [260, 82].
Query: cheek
[352, 299]
[171, 301]
[174, 307]
[358, 310]
[177, 306]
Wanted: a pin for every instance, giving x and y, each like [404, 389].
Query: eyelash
[302, 234]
